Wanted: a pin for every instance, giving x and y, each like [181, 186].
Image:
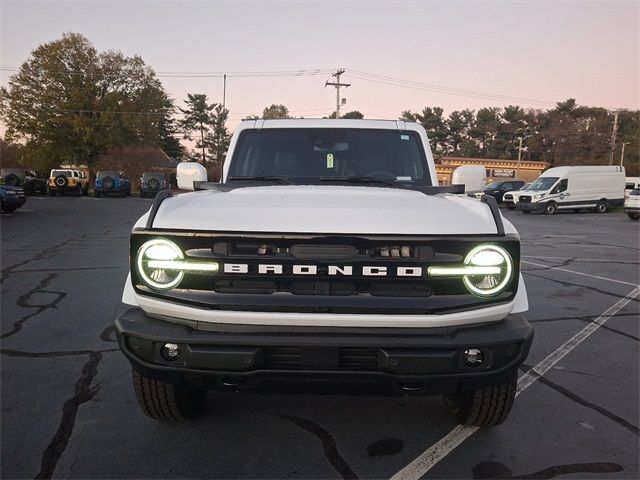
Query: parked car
[65, 180]
[111, 182]
[152, 182]
[328, 255]
[11, 198]
[631, 183]
[498, 189]
[27, 179]
[632, 204]
[511, 198]
[573, 188]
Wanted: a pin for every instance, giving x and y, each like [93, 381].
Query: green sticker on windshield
[329, 160]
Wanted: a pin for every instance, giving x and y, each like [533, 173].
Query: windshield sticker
[404, 137]
[404, 179]
[329, 160]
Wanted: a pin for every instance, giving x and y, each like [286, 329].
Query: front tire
[550, 208]
[167, 402]
[601, 207]
[634, 216]
[484, 407]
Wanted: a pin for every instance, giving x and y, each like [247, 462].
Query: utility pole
[337, 84]
[519, 157]
[622, 154]
[224, 91]
[613, 137]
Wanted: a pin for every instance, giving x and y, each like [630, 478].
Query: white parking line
[581, 259]
[579, 273]
[430, 457]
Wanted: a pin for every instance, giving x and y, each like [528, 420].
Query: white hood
[326, 209]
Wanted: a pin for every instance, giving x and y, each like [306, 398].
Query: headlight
[150, 259]
[499, 269]
[538, 195]
[161, 265]
[487, 270]
[11, 192]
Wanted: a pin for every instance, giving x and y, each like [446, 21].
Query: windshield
[317, 155]
[66, 173]
[543, 183]
[493, 185]
[525, 186]
[635, 192]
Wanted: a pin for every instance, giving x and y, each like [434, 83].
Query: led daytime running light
[183, 266]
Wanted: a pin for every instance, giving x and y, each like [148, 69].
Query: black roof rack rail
[160, 197]
[492, 203]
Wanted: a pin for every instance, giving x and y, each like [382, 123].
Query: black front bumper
[344, 360]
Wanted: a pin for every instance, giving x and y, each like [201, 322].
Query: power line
[237, 74]
[399, 82]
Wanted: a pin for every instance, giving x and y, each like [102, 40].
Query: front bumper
[382, 360]
[14, 200]
[631, 209]
[530, 207]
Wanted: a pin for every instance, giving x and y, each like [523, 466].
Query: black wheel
[78, 191]
[526, 211]
[550, 208]
[167, 401]
[511, 207]
[484, 407]
[601, 207]
[576, 210]
[43, 189]
[634, 216]
[52, 193]
[12, 180]
[96, 193]
[7, 209]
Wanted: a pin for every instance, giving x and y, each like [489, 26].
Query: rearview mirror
[189, 172]
[473, 177]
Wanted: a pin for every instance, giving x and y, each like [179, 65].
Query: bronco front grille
[335, 273]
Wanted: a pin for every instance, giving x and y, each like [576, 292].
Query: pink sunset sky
[457, 54]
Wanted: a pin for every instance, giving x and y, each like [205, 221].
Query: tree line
[70, 104]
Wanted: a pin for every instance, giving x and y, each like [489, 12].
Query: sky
[453, 54]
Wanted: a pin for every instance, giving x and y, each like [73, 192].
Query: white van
[573, 188]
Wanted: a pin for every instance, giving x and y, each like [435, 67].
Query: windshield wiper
[262, 178]
[364, 179]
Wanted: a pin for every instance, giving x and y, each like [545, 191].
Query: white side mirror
[473, 177]
[189, 172]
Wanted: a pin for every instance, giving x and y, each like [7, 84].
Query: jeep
[112, 183]
[27, 179]
[152, 182]
[68, 180]
[327, 259]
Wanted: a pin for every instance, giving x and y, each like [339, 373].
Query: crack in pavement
[43, 255]
[23, 302]
[62, 353]
[83, 393]
[70, 269]
[570, 284]
[497, 470]
[590, 318]
[329, 445]
[578, 399]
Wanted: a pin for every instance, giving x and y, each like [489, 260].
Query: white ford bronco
[326, 259]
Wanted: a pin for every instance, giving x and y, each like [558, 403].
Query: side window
[562, 186]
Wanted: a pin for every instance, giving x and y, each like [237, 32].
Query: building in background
[496, 169]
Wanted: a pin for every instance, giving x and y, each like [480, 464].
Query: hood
[326, 209]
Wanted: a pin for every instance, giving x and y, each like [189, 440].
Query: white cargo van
[573, 188]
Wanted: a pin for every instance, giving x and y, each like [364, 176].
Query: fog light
[473, 357]
[170, 352]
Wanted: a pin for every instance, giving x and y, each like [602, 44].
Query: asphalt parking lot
[69, 411]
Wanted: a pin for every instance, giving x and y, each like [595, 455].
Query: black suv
[27, 179]
[152, 182]
[110, 182]
[499, 188]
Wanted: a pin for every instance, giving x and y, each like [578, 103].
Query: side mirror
[189, 172]
[473, 177]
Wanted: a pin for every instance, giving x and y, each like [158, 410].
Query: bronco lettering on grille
[331, 270]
